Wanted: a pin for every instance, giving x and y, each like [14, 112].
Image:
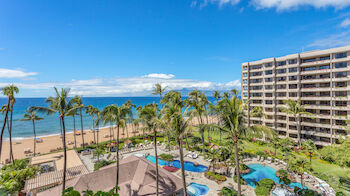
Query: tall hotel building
[319, 79]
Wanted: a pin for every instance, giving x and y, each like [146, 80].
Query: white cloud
[159, 75]
[294, 4]
[134, 86]
[13, 73]
[220, 3]
[335, 40]
[345, 23]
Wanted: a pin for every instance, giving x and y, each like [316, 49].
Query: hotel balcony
[315, 80]
[319, 89]
[315, 63]
[341, 79]
[341, 60]
[318, 107]
[316, 98]
[312, 72]
[316, 124]
[343, 98]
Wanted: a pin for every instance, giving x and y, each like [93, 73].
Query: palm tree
[257, 112]
[9, 91]
[4, 110]
[174, 121]
[158, 90]
[130, 115]
[195, 101]
[150, 117]
[90, 111]
[64, 107]
[78, 102]
[118, 114]
[74, 129]
[300, 166]
[31, 116]
[295, 109]
[231, 119]
[309, 148]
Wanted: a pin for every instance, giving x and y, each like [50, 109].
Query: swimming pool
[259, 172]
[195, 189]
[189, 166]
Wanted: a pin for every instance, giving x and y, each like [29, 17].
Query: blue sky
[121, 48]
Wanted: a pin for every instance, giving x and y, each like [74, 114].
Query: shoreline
[54, 141]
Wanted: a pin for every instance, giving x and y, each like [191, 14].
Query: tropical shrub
[71, 192]
[13, 177]
[166, 157]
[214, 176]
[264, 187]
[102, 163]
[228, 192]
[337, 153]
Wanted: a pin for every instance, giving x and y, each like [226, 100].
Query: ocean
[51, 124]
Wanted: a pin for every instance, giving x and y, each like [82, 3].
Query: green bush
[264, 187]
[243, 166]
[340, 194]
[13, 177]
[102, 163]
[228, 192]
[166, 157]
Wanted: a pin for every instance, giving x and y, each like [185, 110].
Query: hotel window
[281, 71]
[292, 61]
[245, 81]
[245, 94]
[268, 79]
[281, 79]
[281, 63]
[268, 72]
[245, 75]
[340, 74]
[245, 88]
[294, 94]
[309, 60]
[294, 69]
[245, 68]
[268, 64]
[309, 68]
[291, 78]
[340, 55]
[268, 87]
[324, 67]
[340, 65]
[324, 58]
[269, 102]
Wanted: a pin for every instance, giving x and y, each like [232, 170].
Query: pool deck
[199, 178]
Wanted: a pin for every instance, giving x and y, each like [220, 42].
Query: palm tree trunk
[235, 140]
[34, 137]
[202, 134]
[97, 133]
[299, 129]
[156, 156]
[110, 134]
[220, 137]
[127, 130]
[64, 154]
[75, 137]
[93, 130]
[10, 136]
[117, 176]
[182, 166]
[143, 135]
[3, 127]
[61, 125]
[82, 128]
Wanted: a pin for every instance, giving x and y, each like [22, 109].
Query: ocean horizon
[51, 124]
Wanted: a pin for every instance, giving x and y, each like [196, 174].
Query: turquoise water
[259, 172]
[50, 125]
[195, 189]
[189, 166]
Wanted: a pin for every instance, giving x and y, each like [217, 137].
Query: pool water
[195, 189]
[259, 172]
[189, 166]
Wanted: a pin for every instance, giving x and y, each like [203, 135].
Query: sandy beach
[55, 141]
